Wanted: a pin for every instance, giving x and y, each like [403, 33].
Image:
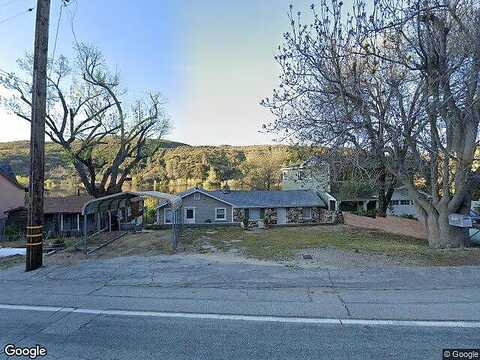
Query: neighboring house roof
[373, 196]
[311, 162]
[262, 198]
[7, 172]
[66, 205]
[404, 189]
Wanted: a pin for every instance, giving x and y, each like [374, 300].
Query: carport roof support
[116, 201]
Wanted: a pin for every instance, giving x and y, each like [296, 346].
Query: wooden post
[34, 255]
[85, 233]
[119, 216]
[99, 222]
[109, 221]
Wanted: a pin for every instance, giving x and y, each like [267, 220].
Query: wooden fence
[391, 224]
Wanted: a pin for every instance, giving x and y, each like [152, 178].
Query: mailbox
[460, 220]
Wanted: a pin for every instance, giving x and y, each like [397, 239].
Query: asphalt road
[182, 307]
[92, 336]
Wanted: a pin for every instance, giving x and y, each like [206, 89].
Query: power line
[17, 15]
[72, 25]
[56, 33]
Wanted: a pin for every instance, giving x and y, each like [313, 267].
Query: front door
[189, 215]
[281, 216]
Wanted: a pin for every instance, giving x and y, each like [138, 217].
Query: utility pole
[34, 243]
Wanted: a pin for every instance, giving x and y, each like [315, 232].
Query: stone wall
[238, 215]
[271, 215]
[319, 216]
[295, 216]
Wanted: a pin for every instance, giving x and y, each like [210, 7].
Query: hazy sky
[211, 59]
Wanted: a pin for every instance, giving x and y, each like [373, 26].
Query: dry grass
[9, 261]
[148, 243]
[282, 243]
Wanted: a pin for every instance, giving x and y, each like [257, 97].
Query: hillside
[176, 167]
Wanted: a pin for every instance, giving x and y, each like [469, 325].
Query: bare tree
[86, 116]
[331, 96]
[435, 46]
[399, 82]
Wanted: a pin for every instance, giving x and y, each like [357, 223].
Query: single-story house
[231, 206]
[401, 204]
[63, 216]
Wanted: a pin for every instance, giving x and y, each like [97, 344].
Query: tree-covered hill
[176, 167]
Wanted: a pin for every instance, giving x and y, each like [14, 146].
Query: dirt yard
[336, 245]
[146, 243]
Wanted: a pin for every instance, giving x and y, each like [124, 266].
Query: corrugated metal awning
[116, 201]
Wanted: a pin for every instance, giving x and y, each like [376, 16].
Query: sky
[212, 59]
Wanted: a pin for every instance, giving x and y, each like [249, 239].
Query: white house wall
[396, 207]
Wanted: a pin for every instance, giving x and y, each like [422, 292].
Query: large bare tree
[104, 138]
[331, 96]
[399, 80]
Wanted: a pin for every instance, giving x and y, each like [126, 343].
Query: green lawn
[282, 243]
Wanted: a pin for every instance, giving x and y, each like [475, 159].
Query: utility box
[459, 220]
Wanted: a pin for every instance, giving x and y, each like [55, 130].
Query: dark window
[189, 213]
[333, 205]
[168, 216]
[262, 213]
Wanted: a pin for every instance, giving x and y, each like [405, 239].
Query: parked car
[475, 231]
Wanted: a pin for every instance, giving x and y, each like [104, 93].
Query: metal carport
[120, 200]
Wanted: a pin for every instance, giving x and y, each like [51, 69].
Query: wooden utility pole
[37, 138]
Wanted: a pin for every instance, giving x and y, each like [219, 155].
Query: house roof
[262, 198]
[7, 172]
[67, 204]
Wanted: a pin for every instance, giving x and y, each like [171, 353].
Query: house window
[394, 202]
[284, 175]
[221, 214]
[196, 196]
[300, 175]
[168, 216]
[307, 213]
[404, 202]
[190, 214]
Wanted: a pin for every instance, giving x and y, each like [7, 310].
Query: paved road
[83, 336]
[183, 307]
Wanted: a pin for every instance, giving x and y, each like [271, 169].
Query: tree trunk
[441, 235]
[384, 193]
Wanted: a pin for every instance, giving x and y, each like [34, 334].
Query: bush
[13, 233]
[368, 213]
[408, 216]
